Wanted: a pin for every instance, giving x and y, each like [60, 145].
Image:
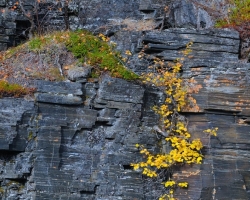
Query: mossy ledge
[13, 90]
[88, 49]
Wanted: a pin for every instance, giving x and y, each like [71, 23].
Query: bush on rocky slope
[238, 17]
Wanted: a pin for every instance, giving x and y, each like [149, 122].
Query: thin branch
[29, 16]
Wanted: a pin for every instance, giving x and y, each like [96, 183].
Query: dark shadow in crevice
[148, 11]
[22, 32]
[109, 139]
[7, 155]
[84, 193]
[221, 111]
[127, 167]
[101, 123]
[21, 181]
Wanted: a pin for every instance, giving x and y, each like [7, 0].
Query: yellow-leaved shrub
[173, 125]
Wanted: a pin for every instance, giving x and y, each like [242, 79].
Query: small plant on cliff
[98, 53]
[13, 90]
[35, 43]
[173, 128]
[238, 17]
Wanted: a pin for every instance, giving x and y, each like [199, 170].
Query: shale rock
[185, 14]
[76, 140]
[66, 150]
[218, 99]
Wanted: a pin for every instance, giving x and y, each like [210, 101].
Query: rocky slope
[76, 140]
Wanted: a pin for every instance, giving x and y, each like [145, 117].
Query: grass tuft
[12, 90]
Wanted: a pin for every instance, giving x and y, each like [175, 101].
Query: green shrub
[35, 43]
[97, 52]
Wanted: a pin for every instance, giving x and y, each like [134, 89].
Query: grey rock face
[59, 93]
[79, 73]
[74, 151]
[245, 49]
[13, 112]
[103, 15]
[186, 14]
[58, 87]
[77, 139]
[60, 148]
[124, 91]
[220, 101]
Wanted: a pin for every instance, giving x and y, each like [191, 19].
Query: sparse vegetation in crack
[172, 129]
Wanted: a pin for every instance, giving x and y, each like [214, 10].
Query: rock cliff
[76, 140]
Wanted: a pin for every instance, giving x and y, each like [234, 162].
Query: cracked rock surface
[76, 140]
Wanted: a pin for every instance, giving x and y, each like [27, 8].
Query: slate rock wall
[76, 139]
[103, 15]
[62, 150]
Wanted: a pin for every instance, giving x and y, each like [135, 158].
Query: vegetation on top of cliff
[52, 54]
[238, 17]
[98, 53]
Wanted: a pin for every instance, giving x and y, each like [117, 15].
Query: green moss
[87, 48]
[1, 190]
[39, 42]
[35, 43]
[12, 90]
[240, 12]
[30, 136]
[12, 51]
[221, 23]
[55, 73]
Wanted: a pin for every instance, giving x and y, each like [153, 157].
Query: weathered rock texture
[58, 149]
[106, 15]
[219, 86]
[77, 139]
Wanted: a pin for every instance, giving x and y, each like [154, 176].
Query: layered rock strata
[76, 140]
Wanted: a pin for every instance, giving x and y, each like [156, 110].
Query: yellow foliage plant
[173, 126]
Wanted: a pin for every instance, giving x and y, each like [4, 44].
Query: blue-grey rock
[58, 87]
[77, 140]
[118, 90]
[58, 98]
[187, 14]
[12, 112]
[79, 73]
